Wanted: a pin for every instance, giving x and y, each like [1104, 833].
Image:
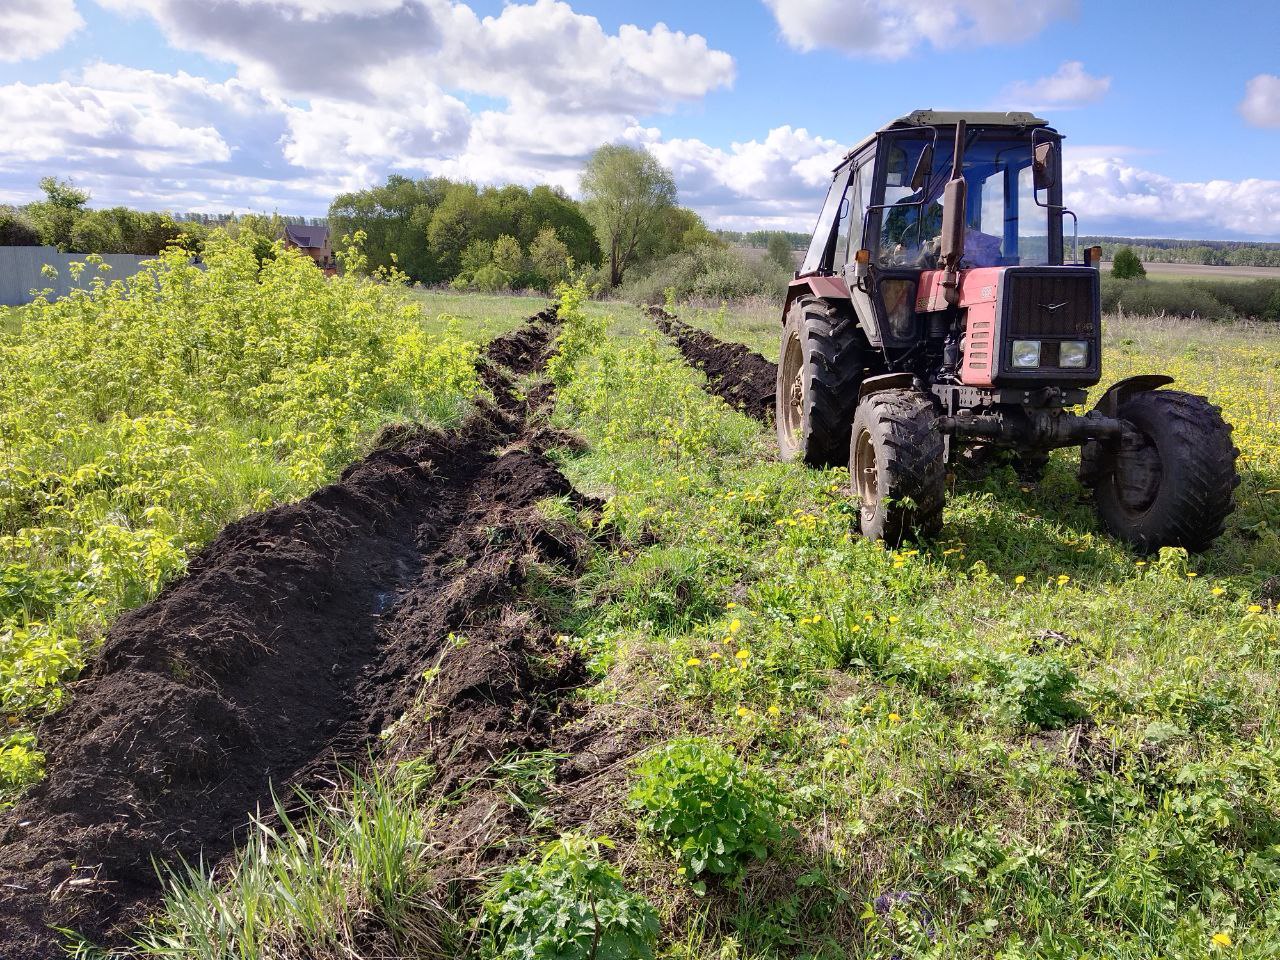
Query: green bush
[1259, 299]
[1035, 690]
[1146, 297]
[706, 806]
[1126, 265]
[707, 272]
[567, 905]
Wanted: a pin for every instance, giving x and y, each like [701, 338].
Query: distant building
[314, 242]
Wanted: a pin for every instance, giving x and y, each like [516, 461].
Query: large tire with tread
[1172, 482]
[896, 466]
[819, 372]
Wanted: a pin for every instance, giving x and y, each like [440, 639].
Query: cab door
[852, 240]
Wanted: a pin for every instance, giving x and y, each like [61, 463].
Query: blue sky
[1172, 113]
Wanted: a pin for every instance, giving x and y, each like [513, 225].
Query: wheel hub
[793, 375]
[865, 475]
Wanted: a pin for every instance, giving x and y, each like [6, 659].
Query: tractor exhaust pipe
[954, 215]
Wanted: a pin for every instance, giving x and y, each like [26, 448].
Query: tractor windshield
[1004, 225]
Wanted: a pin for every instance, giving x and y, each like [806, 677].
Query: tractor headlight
[1073, 353]
[1026, 353]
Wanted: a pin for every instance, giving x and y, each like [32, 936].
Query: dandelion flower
[1222, 939]
[774, 710]
[844, 741]
[1063, 579]
[893, 619]
[715, 655]
[1218, 591]
[693, 662]
[1255, 608]
[894, 718]
[742, 654]
[1019, 579]
[866, 710]
[735, 625]
[1191, 574]
[744, 712]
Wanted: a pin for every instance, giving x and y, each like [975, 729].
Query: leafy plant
[706, 806]
[567, 904]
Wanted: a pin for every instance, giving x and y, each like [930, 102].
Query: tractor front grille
[1059, 302]
[1049, 304]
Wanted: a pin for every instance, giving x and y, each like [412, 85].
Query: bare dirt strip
[742, 378]
[296, 638]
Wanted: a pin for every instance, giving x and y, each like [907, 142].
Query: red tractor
[934, 317]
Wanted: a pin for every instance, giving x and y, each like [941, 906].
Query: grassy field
[1020, 740]
[1199, 271]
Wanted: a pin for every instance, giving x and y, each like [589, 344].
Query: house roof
[306, 236]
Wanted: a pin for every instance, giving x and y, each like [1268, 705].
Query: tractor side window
[859, 197]
[820, 248]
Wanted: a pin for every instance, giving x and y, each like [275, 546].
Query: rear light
[1026, 353]
[899, 298]
[1073, 353]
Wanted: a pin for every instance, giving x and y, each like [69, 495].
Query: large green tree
[1126, 265]
[626, 193]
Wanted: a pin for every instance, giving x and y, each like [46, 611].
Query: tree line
[1216, 253]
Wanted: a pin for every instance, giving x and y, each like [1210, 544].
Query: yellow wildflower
[693, 662]
[894, 718]
[1255, 608]
[735, 625]
[1019, 579]
[1221, 939]
[774, 710]
[742, 654]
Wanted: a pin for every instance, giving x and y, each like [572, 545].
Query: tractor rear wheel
[896, 467]
[819, 372]
[1170, 482]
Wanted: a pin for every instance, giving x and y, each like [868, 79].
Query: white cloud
[1070, 86]
[1113, 195]
[891, 29]
[778, 181]
[375, 52]
[32, 28]
[1261, 104]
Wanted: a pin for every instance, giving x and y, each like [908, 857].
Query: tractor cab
[935, 313]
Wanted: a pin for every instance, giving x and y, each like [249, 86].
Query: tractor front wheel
[895, 466]
[820, 368]
[1170, 481]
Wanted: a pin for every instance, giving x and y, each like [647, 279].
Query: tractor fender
[1109, 403]
[885, 381]
[824, 288]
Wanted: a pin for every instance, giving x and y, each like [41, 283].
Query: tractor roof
[948, 118]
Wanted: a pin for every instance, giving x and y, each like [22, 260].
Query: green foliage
[709, 272]
[706, 806]
[780, 251]
[627, 194]
[16, 228]
[1126, 265]
[549, 256]
[507, 255]
[1035, 690]
[318, 881]
[428, 227]
[1151, 298]
[137, 417]
[567, 904]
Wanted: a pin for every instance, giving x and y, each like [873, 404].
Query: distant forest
[1218, 253]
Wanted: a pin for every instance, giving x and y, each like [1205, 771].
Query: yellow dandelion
[715, 655]
[1063, 579]
[1191, 574]
[1221, 939]
[742, 654]
[693, 662]
[1255, 608]
[844, 741]
[730, 605]
[855, 628]
[744, 712]
[735, 625]
[774, 710]
[893, 619]
[866, 710]
[1019, 579]
[1218, 591]
[894, 718]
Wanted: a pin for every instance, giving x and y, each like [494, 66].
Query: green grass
[1021, 738]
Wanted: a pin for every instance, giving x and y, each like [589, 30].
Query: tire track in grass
[298, 636]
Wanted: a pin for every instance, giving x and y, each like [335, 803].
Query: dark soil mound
[743, 379]
[298, 636]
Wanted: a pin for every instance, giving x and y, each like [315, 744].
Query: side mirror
[924, 167]
[1043, 166]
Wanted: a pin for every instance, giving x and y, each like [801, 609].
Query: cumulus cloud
[1070, 86]
[891, 29]
[1261, 104]
[32, 28]
[777, 181]
[1110, 194]
[376, 51]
